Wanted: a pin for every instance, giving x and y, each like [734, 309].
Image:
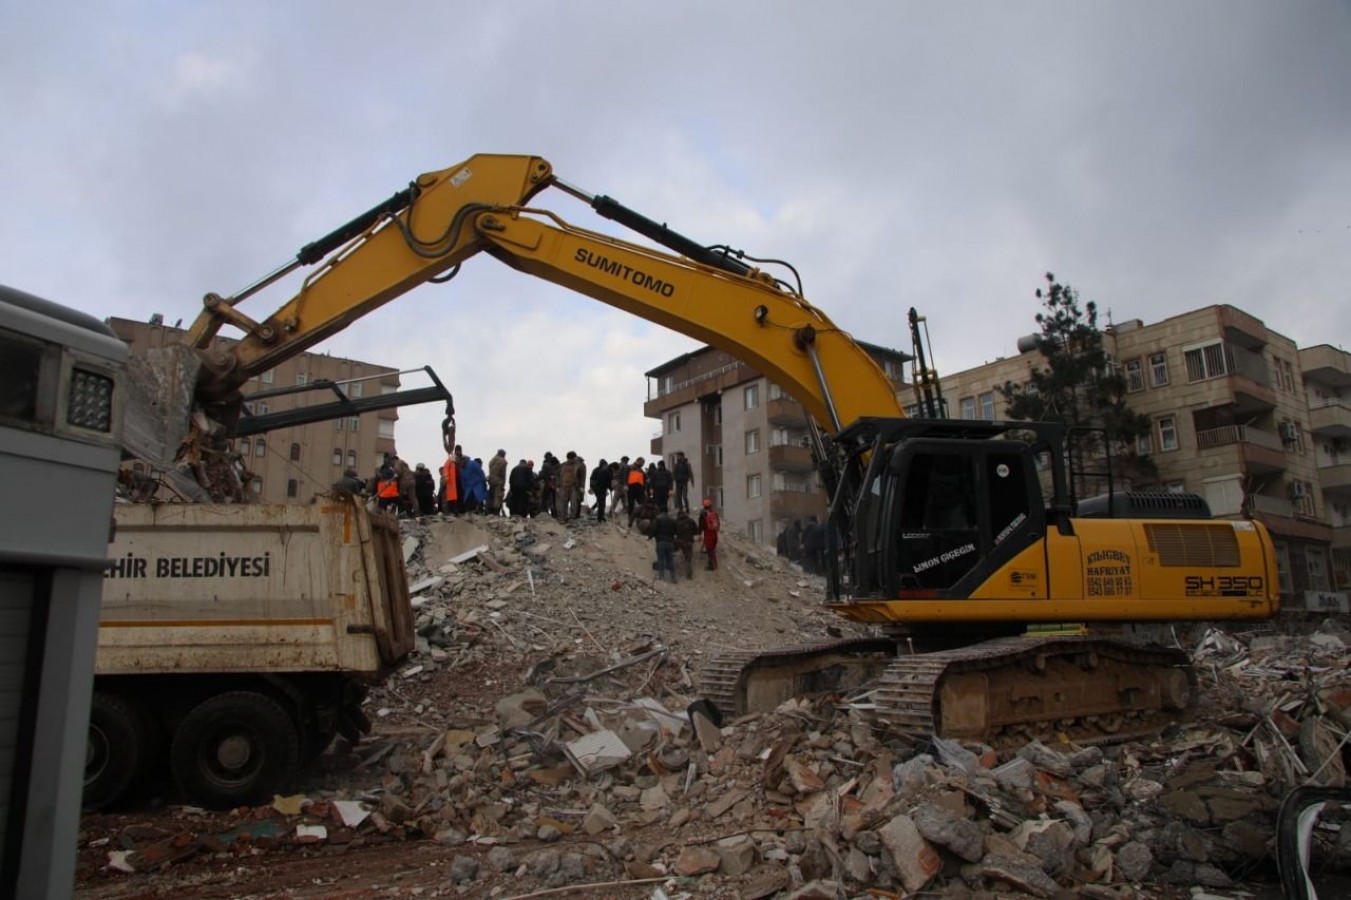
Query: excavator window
[939, 534]
[963, 508]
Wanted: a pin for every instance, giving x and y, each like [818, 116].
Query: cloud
[941, 156]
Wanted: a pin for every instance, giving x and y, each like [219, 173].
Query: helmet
[708, 504]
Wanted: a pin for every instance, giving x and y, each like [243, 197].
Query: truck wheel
[114, 750]
[233, 749]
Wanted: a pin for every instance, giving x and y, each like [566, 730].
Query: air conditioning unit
[1299, 490]
[1289, 431]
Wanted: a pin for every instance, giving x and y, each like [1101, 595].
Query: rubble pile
[548, 734]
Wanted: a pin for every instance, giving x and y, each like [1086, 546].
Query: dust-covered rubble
[548, 733]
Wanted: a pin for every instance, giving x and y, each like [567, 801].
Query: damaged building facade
[1241, 416]
[746, 439]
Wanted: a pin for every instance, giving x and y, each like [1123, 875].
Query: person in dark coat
[522, 484]
[660, 485]
[684, 477]
[664, 533]
[424, 486]
[814, 547]
[600, 488]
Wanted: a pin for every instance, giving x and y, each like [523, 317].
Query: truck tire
[117, 744]
[233, 749]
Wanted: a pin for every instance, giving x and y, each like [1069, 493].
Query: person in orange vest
[387, 487]
[450, 486]
[637, 483]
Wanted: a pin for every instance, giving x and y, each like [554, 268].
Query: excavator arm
[446, 217]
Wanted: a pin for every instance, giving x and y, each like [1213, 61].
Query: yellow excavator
[941, 534]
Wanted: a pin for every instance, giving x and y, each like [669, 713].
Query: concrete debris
[548, 733]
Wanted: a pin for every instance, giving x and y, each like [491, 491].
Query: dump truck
[236, 640]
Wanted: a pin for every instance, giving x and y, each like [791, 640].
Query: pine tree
[1078, 387]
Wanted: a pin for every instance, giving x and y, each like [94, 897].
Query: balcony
[797, 505]
[692, 389]
[790, 458]
[1335, 477]
[1330, 419]
[1260, 451]
[1326, 365]
[787, 412]
[1250, 381]
[1264, 505]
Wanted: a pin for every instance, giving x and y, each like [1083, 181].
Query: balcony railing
[1271, 506]
[790, 458]
[1226, 435]
[663, 390]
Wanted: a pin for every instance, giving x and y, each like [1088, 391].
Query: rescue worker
[684, 477]
[660, 485]
[600, 487]
[475, 486]
[568, 483]
[686, 529]
[497, 482]
[522, 482]
[664, 533]
[387, 487]
[349, 484]
[637, 486]
[407, 487]
[424, 485]
[450, 485]
[548, 484]
[709, 526]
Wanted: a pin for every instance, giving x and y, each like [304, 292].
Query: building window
[1158, 369]
[257, 485]
[775, 392]
[262, 407]
[667, 384]
[718, 498]
[354, 424]
[295, 453]
[354, 390]
[987, 406]
[352, 458]
[1175, 487]
[292, 487]
[337, 456]
[245, 447]
[260, 448]
[753, 441]
[1167, 433]
[673, 423]
[753, 486]
[1135, 376]
[386, 388]
[752, 396]
[1289, 374]
[1283, 568]
[717, 413]
[1204, 362]
[755, 530]
[717, 455]
[1144, 444]
[386, 429]
[337, 423]
[1316, 564]
[968, 407]
[301, 379]
[267, 377]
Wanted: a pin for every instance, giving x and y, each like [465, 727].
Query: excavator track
[1010, 690]
[739, 682]
[1002, 692]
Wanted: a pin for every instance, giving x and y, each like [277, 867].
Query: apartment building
[1327, 380]
[291, 465]
[746, 439]
[1231, 421]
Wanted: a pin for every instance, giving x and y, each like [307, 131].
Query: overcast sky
[1158, 157]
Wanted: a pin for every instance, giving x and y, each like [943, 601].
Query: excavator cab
[943, 505]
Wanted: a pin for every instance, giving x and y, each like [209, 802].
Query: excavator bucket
[158, 413]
